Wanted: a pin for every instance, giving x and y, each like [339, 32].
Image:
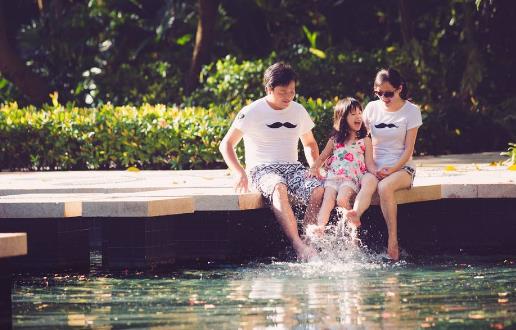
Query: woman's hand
[384, 172]
[241, 181]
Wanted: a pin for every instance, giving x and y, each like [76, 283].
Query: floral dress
[347, 165]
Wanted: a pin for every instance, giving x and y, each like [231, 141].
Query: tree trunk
[204, 39]
[406, 22]
[13, 69]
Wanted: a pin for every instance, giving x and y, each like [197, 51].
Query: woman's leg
[363, 200]
[386, 189]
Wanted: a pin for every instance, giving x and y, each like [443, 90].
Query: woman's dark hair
[393, 77]
[340, 114]
[278, 74]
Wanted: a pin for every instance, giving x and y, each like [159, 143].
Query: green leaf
[184, 39]
[317, 52]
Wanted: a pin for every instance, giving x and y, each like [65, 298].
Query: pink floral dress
[346, 165]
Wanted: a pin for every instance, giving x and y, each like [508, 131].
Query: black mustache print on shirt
[278, 125]
[383, 125]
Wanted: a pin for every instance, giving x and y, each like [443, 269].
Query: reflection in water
[345, 289]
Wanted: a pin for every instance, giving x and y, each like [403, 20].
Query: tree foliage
[458, 55]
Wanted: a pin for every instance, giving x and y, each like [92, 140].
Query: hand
[384, 172]
[241, 182]
[314, 172]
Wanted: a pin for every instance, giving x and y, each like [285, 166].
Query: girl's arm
[327, 151]
[369, 161]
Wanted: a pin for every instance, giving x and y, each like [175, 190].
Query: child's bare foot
[304, 252]
[393, 251]
[313, 231]
[353, 219]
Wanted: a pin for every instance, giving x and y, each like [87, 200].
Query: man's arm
[227, 149]
[310, 147]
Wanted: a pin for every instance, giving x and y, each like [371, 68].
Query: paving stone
[497, 190]
[137, 206]
[13, 244]
[39, 207]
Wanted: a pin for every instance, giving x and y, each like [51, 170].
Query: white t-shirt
[266, 137]
[389, 129]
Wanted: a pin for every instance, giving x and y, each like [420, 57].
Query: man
[271, 128]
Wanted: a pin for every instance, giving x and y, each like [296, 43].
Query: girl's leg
[327, 205]
[386, 189]
[363, 200]
[344, 201]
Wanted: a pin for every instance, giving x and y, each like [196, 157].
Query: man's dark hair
[278, 74]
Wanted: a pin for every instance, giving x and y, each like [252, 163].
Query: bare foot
[353, 219]
[304, 252]
[315, 231]
[354, 237]
[393, 251]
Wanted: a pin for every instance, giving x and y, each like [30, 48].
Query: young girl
[351, 155]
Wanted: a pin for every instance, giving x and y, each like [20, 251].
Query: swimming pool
[351, 290]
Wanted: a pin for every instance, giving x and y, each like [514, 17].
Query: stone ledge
[43, 208]
[13, 244]
[137, 206]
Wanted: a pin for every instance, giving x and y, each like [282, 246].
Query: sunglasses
[385, 94]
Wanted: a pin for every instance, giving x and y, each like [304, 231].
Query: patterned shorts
[265, 177]
[412, 171]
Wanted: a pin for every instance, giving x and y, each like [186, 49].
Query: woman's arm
[410, 141]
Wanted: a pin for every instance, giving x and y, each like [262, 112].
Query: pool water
[345, 288]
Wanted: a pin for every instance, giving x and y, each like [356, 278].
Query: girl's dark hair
[393, 77]
[340, 113]
[278, 74]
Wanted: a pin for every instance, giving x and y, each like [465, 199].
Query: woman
[393, 122]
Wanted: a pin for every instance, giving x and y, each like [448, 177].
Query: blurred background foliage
[457, 55]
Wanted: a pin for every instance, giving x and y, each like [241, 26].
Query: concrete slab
[116, 206]
[459, 191]
[37, 206]
[13, 244]
[60, 194]
[497, 190]
[419, 194]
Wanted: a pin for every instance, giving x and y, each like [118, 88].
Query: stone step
[13, 244]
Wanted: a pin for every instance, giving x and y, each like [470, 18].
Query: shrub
[228, 82]
[150, 137]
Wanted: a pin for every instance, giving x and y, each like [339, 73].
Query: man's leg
[386, 189]
[287, 220]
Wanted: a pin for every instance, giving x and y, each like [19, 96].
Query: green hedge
[147, 137]
[160, 137]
